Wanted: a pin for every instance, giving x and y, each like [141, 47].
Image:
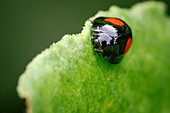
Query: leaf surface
[69, 77]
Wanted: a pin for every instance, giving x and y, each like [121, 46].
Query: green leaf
[69, 77]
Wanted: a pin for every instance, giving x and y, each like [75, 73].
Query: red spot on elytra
[115, 21]
[129, 42]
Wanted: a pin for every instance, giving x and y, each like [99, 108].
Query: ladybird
[111, 38]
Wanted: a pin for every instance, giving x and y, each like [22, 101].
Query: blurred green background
[28, 27]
